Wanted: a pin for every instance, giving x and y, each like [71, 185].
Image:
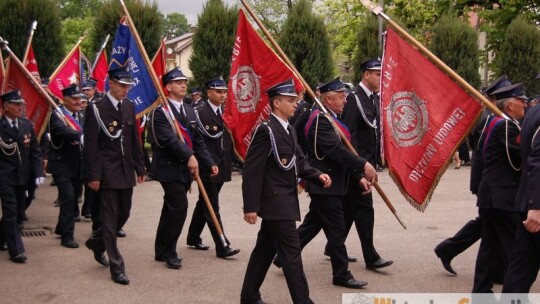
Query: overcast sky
[190, 8]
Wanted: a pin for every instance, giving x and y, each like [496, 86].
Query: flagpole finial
[34, 25]
[4, 44]
[372, 7]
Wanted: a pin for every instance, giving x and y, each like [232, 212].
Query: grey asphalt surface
[54, 274]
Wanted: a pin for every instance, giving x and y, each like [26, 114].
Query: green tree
[212, 43]
[176, 24]
[146, 17]
[73, 29]
[272, 13]
[367, 44]
[78, 8]
[456, 44]
[305, 41]
[47, 43]
[519, 54]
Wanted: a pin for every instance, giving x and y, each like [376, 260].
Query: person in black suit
[501, 152]
[219, 143]
[195, 97]
[113, 156]
[90, 207]
[274, 161]
[175, 163]
[361, 115]
[19, 157]
[328, 153]
[64, 160]
[471, 232]
[525, 260]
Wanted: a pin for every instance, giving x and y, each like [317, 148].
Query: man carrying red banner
[328, 153]
[65, 161]
[174, 164]
[361, 115]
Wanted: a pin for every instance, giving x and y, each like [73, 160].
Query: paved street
[54, 274]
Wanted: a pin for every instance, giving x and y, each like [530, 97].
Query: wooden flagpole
[29, 43]
[98, 54]
[14, 59]
[312, 95]
[164, 101]
[378, 11]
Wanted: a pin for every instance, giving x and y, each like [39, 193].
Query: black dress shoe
[445, 262]
[198, 246]
[174, 263]
[227, 252]
[120, 278]
[349, 258]
[380, 263]
[19, 258]
[77, 219]
[70, 244]
[350, 283]
[121, 233]
[87, 216]
[98, 256]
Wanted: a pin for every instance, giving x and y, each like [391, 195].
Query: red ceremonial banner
[67, 73]
[425, 116]
[255, 68]
[2, 73]
[158, 62]
[37, 106]
[31, 64]
[99, 71]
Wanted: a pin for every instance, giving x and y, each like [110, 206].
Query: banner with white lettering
[125, 52]
[255, 68]
[425, 116]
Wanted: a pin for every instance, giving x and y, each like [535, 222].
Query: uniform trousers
[326, 213]
[115, 210]
[524, 262]
[11, 197]
[91, 203]
[69, 189]
[171, 222]
[281, 237]
[201, 216]
[498, 227]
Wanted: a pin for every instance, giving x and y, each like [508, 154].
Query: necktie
[289, 129]
[119, 107]
[14, 123]
[182, 115]
[75, 116]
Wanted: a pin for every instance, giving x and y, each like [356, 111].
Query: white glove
[40, 180]
[82, 139]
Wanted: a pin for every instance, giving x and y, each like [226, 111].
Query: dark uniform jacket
[499, 184]
[477, 141]
[112, 161]
[15, 171]
[65, 152]
[332, 157]
[170, 154]
[266, 188]
[363, 136]
[220, 148]
[528, 194]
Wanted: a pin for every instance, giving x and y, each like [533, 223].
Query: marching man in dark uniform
[113, 155]
[88, 87]
[19, 157]
[471, 232]
[219, 143]
[329, 154]
[175, 164]
[501, 152]
[525, 260]
[274, 161]
[195, 97]
[361, 115]
[65, 161]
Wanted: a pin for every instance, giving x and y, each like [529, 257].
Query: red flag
[425, 116]
[68, 72]
[99, 71]
[31, 64]
[255, 68]
[158, 62]
[2, 73]
[37, 106]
